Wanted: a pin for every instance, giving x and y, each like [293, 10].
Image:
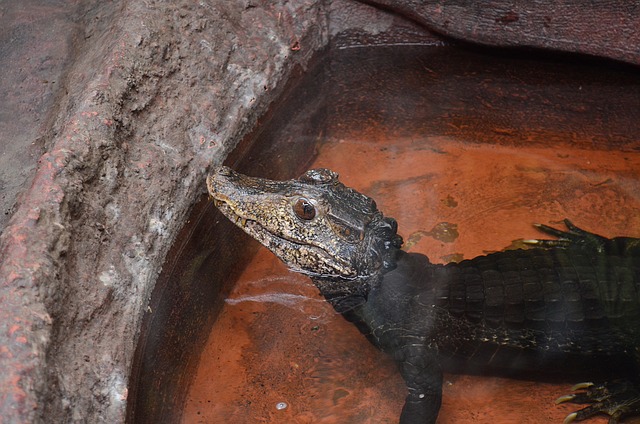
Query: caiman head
[314, 224]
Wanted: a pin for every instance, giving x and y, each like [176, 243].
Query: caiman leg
[618, 399]
[423, 376]
[575, 237]
[578, 238]
[621, 398]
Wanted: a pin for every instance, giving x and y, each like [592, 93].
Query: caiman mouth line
[260, 233]
[230, 213]
[249, 224]
[234, 217]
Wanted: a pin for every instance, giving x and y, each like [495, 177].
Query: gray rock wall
[157, 94]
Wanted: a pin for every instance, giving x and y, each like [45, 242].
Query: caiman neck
[378, 254]
[346, 294]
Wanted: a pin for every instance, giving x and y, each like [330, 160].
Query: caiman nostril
[225, 171]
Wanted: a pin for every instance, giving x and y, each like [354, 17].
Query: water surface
[466, 151]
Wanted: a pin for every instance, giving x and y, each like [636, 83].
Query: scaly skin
[565, 301]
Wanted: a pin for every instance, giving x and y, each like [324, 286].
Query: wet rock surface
[604, 29]
[36, 45]
[156, 93]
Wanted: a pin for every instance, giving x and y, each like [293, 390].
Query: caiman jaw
[229, 212]
[250, 226]
[262, 208]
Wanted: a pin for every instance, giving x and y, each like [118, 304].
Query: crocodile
[569, 299]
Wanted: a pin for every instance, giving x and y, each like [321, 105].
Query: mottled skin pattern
[564, 302]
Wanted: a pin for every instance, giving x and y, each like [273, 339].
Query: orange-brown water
[466, 151]
[278, 341]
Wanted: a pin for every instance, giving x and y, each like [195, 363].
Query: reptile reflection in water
[566, 301]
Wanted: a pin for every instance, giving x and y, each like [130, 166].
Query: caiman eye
[304, 209]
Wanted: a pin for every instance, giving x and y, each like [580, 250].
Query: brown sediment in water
[278, 341]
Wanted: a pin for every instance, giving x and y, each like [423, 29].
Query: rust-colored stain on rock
[280, 354]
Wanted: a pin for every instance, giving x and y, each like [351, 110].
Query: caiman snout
[216, 180]
[224, 171]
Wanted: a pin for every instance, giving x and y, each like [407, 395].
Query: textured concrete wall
[157, 92]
